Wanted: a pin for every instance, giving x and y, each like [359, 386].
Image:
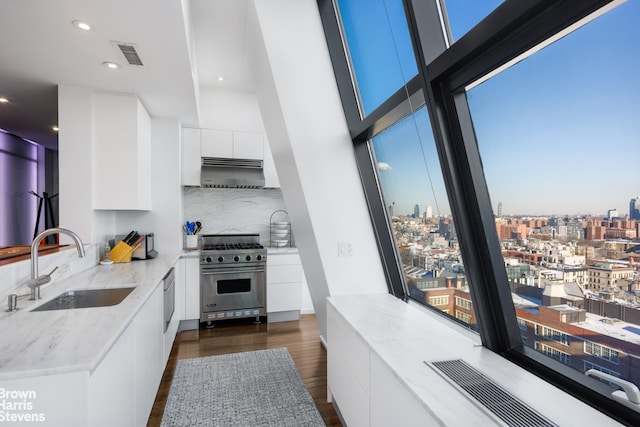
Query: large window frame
[445, 69]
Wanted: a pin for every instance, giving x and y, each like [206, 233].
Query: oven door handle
[234, 271]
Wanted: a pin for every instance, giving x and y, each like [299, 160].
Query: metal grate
[490, 395]
[130, 54]
[232, 163]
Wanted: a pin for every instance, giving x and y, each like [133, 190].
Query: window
[601, 351]
[439, 300]
[378, 39]
[465, 14]
[553, 334]
[425, 237]
[509, 102]
[553, 353]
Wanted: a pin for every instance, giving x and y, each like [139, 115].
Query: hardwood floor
[301, 338]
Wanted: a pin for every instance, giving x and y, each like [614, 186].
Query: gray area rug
[255, 388]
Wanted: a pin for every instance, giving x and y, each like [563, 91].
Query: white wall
[165, 218]
[312, 150]
[230, 109]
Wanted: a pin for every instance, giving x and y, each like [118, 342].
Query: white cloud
[384, 166]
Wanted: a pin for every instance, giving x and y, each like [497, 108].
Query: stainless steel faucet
[36, 281]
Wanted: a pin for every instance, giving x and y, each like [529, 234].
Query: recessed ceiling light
[220, 78]
[111, 65]
[3, 100]
[82, 25]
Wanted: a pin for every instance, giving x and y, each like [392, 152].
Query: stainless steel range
[232, 277]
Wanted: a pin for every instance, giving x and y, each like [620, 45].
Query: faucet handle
[52, 271]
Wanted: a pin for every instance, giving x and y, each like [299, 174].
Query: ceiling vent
[128, 51]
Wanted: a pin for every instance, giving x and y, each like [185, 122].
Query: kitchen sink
[86, 298]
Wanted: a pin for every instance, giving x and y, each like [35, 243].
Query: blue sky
[558, 132]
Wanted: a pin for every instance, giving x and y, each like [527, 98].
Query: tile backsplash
[233, 210]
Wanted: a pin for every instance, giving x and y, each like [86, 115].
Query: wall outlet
[345, 249]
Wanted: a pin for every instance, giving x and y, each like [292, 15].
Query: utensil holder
[191, 241]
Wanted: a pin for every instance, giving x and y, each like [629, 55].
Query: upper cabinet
[216, 143]
[248, 145]
[231, 144]
[191, 156]
[121, 152]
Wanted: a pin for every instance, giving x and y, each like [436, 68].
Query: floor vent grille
[503, 405]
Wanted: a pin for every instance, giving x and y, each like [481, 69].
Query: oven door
[232, 288]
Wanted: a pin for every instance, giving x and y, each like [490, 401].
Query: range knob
[208, 259]
[236, 258]
[259, 257]
[220, 259]
[248, 257]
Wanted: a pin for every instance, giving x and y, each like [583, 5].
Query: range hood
[231, 173]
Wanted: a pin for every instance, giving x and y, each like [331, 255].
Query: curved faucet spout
[36, 281]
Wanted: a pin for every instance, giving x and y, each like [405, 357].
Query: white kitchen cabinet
[121, 152]
[192, 288]
[271, 179]
[248, 145]
[216, 143]
[284, 286]
[347, 370]
[191, 163]
[112, 388]
[149, 358]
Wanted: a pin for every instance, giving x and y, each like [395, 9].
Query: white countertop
[61, 341]
[405, 337]
[282, 251]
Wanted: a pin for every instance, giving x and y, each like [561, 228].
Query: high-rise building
[428, 212]
[416, 211]
[612, 213]
[634, 208]
[392, 209]
[499, 209]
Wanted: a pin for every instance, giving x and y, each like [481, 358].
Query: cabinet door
[216, 143]
[149, 362]
[248, 145]
[284, 282]
[191, 156]
[121, 153]
[192, 291]
[112, 399]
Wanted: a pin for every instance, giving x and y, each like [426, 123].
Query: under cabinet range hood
[231, 173]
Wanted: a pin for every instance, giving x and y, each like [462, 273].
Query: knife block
[122, 252]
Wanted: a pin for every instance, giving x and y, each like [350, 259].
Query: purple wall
[18, 176]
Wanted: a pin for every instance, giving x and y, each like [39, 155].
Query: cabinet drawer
[284, 274]
[284, 297]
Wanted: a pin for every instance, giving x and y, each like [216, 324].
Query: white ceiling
[40, 49]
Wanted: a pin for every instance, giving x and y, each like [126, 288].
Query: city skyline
[556, 145]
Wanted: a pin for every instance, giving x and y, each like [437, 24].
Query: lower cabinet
[284, 286]
[192, 288]
[113, 385]
[123, 387]
[149, 360]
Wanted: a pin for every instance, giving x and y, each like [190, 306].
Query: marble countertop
[406, 338]
[61, 341]
[281, 251]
